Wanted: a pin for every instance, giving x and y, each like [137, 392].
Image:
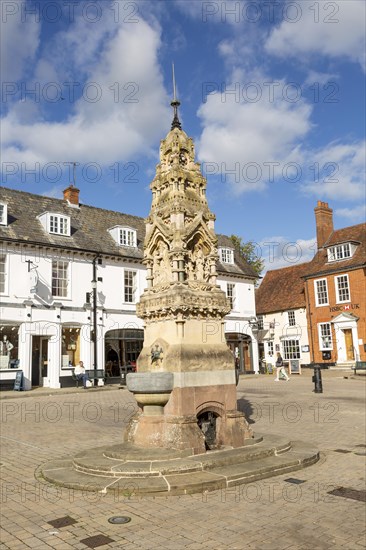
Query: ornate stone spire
[180, 245]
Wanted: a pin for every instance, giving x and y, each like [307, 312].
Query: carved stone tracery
[180, 244]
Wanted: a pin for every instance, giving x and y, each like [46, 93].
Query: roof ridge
[63, 201]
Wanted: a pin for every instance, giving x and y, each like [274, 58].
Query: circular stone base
[126, 469]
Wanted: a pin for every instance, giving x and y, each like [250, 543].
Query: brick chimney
[71, 195]
[324, 223]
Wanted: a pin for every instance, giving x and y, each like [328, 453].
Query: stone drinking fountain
[188, 435]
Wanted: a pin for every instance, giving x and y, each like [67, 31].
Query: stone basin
[151, 390]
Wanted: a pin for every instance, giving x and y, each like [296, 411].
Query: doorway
[348, 340]
[39, 360]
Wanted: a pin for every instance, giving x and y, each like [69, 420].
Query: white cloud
[334, 29]
[320, 78]
[337, 171]
[249, 136]
[220, 11]
[356, 214]
[112, 128]
[19, 41]
[278, 252]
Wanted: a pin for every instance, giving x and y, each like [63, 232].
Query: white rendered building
[55, 256]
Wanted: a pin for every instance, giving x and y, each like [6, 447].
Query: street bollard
[317, 379]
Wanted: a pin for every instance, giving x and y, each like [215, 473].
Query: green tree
[248, 252]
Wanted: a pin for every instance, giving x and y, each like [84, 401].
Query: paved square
[268, 514]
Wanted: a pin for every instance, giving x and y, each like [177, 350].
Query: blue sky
[273, 94]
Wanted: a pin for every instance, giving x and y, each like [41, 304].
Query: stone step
[196, 474]
[99, 462]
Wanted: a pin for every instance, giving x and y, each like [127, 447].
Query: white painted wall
[113, 313]
[283, 330]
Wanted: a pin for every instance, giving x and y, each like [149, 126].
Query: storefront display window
[9, 346]
[70, 346]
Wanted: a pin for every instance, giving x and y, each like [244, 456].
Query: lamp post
[254, 325]
[95, 321]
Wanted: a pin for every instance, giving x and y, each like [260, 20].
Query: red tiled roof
[281, 289]
[320, 265]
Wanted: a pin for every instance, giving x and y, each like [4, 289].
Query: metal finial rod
[175, 104]
[174, 86]
[73, 172]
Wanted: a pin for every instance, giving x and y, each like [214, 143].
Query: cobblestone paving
[269, 514]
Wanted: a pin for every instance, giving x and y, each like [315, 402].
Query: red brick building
[335, 292]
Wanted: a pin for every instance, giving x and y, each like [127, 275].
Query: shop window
[70, 346]
[9, 347]
[291, 349]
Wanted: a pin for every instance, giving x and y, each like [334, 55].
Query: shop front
[241, 346]
[122, 347]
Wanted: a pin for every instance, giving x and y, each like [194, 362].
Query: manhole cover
[119, 520]
[345, 492]
[97, 540]
[341, 451]
[62, 522]
[295, 480]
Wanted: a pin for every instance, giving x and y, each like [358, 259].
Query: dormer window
[124, 236]
[226, 255]
[59, 225]
[340, 252]
[56, 224]
[127, 237]
[3, 213]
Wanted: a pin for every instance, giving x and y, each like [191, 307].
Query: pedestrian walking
[280, 369]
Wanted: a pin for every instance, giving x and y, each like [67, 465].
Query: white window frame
[56, 224]
[340, 252]
[260, 322]
[325, 336]
[59, 225]
[291, 351]
[124, 235]
[3, 213]
[337, 288]
[226, 255]
[68, 279]
[4, 291]
[291, 318]
[231, 294]
[316, 290]
[127, 237]
[134, 286]
[270, 348]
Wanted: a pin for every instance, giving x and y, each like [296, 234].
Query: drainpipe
[310, 323]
